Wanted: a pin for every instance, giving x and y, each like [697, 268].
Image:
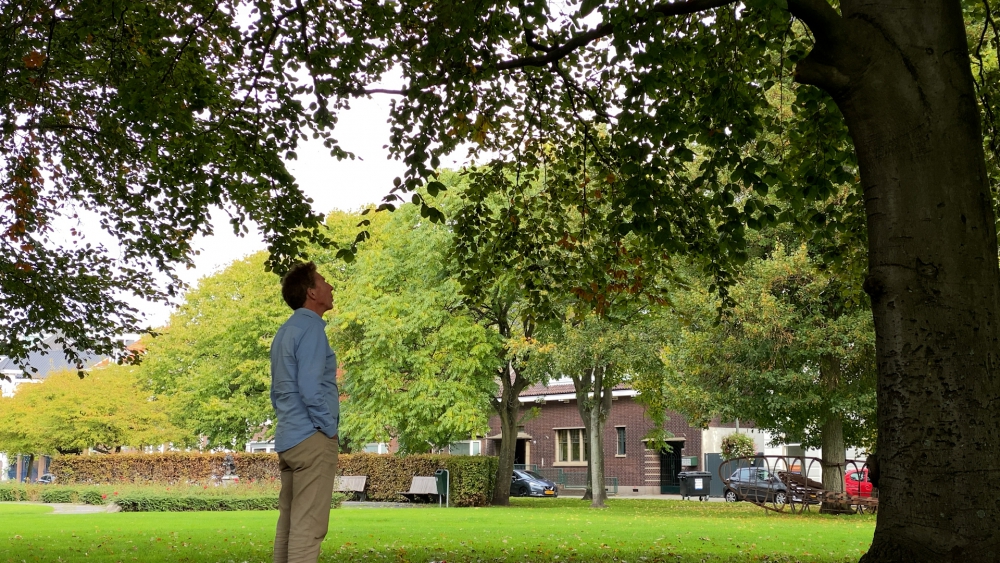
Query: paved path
[68, 508]
[368, 504]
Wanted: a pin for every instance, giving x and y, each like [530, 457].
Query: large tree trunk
[899, 71]
[834, 453]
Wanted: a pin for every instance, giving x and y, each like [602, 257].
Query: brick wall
[638, 469]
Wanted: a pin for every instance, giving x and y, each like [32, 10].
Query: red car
[856, 483]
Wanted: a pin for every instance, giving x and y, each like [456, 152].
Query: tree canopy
[419, 367]
[135, 120]
[213, 359]
[763, 360]
[105, 410]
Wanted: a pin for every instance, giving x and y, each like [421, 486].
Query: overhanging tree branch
[554, 54]
[824, 21]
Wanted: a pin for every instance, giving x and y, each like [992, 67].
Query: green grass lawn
[562, 530]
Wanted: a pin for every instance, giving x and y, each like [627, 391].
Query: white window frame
[376, 448]
[472, 447]
[565, 436]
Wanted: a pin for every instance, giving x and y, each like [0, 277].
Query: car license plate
[550, 492]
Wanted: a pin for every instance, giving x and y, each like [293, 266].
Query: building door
[712, 463]
[521, 452]
[670, 466]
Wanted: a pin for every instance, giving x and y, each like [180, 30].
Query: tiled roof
[558, 389]
[51, 359]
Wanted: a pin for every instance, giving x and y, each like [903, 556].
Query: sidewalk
[69, 508]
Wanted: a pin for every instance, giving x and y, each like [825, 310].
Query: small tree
[793, 355]
[105, 410]
[418, 366]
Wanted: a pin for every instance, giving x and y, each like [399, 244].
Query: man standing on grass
[306, 402]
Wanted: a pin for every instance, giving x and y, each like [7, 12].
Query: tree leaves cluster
[419, 367]
[123, 124]
[213, 359]
[107, 409]
[763, 360]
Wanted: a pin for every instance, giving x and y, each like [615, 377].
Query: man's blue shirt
[303, 381]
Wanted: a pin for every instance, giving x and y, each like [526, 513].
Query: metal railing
[575, 479]
[526, 467]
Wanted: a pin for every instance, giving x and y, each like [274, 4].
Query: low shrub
[150, 502]
[13, 493]
[92, 496]
[58, 494]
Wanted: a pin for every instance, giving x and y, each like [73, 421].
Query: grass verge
[559, 530]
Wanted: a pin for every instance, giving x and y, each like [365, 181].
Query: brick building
[554, 441]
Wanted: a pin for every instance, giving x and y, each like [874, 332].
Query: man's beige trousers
[307, 474]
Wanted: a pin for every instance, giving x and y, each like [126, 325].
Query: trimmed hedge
[472, 477]
[166, 468]
[13, 494]
[58, 495]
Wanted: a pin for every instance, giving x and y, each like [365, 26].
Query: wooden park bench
[421, 489]
[354, 484]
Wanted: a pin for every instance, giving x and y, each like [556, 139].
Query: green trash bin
[443, 479]
[695, 484]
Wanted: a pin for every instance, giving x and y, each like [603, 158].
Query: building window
[377, 448]
[465, 447]
[621, 440]
[571, 445]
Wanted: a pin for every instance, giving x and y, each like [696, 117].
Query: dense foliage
[420, 368]
[212, 359]
[123, 125]
[762, 360]
[106, 409]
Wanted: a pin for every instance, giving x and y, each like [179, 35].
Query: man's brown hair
[294, 285]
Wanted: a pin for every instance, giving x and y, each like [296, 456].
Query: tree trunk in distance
[508, 407]
[899, 72]
[834, 456]
[583, 386]
[588, 494]
[833, 462]
[600, 405]
[597, 458]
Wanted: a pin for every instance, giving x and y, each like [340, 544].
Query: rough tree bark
[834, 452]
[582, 385]
[508, 408]
[899, 71]
[598, 416]
[594, 403]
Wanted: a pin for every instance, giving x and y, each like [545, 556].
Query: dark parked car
[530, 484]
[755, 484]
